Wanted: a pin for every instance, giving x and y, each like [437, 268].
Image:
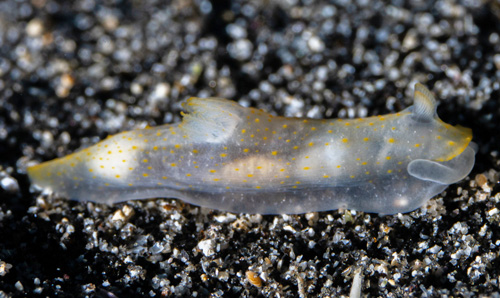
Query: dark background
[74, 72]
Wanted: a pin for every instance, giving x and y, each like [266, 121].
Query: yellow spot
[330, 131]
[177, 146]
[417, 145]
[285, 126]
[212, 171]
[188, 175]
[307, 168]
[173, 165]
[327, 144]
[367, 173]
[134, 147]
[274, 152]
[352, 176]
[326, 176]
[295, 147]
[311, 144]
[195, 151]
[345, 140]
[393, 128]
[250, 175]
[338, 167]
[155, 148]
[364, 163]
[347, 124]
[264, 138]
[371, 123]
[306, 157]
[227, 187]
[164, 178]
[223, 155]
[216, 179]
[130, 184]
[389, 171]
[258, 187]
[246, 150]
[388, 158]
[297, 182]
[145, 175]
[106, 184]
[149, 168]
[438, 137]
[282, 170]
[243, 131]
[91, 170]
[451, 143]
[366, 139]
[236, 169]
[144, 160]
[313, 128]
[391, 140]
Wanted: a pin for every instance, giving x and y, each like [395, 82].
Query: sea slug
[228, 157]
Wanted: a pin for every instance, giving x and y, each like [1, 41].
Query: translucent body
[227, 157]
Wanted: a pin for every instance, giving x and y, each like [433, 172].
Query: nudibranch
[228, 157]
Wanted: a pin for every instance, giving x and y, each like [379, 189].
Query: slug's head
[442, 141]
[446, 151]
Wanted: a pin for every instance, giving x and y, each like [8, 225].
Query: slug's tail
[52, 175]
[40, 175]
